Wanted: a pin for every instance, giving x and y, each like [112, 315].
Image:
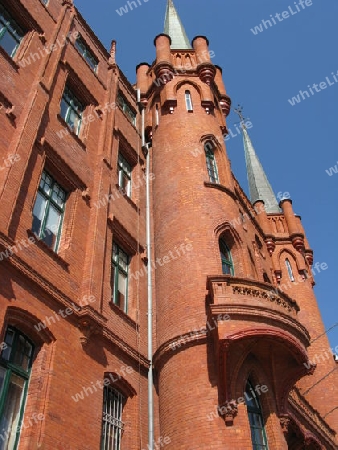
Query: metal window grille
[112, 425]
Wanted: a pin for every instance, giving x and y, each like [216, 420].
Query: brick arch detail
[296, 258]
[236, 249]
[190, 83]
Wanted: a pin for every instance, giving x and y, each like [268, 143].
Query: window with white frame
[48, 211]
[112, 425]
[119, 277]
[124, 169]
[71, 110]
[289, 269]
[188, 101]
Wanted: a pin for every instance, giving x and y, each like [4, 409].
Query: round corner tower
[221, 317]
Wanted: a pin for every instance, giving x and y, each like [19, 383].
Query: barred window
[112, 425]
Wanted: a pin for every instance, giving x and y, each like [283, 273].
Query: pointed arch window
[211, 162]
[226, 258]
[289, 269]
[188, 101]
[256, 419]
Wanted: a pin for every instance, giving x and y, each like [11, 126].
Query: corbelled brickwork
[213, 330]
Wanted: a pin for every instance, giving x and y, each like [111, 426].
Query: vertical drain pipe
[150, 287]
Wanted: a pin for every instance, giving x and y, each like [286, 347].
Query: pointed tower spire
[174, 28]
[259, 186]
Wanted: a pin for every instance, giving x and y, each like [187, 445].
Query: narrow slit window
[256, 419]
[211, 163]
[289, 269]
[188, 101]
[226, 258]
[119, 278]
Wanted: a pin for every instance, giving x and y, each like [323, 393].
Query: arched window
[258, 435]
[211, 162]
[226, 258]
[188, 101]
[289, 269]
[15, 368]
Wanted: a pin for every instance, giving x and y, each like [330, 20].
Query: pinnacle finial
[259, 186]
[174, 28]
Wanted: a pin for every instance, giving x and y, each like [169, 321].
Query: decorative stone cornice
[318, 426]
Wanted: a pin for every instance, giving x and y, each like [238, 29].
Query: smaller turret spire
[259, 186]
[174, 28]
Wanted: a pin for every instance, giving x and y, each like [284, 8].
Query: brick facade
[212, 331]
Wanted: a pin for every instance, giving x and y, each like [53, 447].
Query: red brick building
[120, 219]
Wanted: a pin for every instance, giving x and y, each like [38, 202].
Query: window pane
[23, 353]
[38, 213]
[11, 414]
[9, 43]
[2, 379]
[52, 227]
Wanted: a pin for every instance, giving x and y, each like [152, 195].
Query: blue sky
[262, 71]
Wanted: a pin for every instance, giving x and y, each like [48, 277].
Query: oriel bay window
[119, 277]
[71, 110]
[48, 211]
[112, 425]
[15, 368]
[10, 32]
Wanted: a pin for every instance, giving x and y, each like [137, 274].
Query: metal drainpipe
[150, 289]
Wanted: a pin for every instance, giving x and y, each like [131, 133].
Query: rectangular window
[48, 211]
[123, 104]
[15, 368]
[119, 277]
[71, 110]
[86, 53]
[112, 425]
[124, 175]
[10, 33]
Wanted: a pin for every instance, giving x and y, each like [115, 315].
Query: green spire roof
[259, 186]
[174, 28]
